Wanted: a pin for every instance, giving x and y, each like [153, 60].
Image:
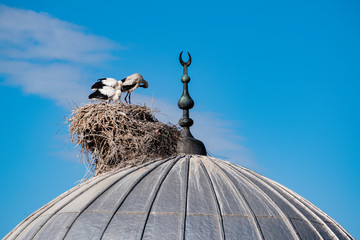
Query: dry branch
[118, 135]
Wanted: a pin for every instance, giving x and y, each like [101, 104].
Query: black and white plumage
[106, 94]
[110, 82]
[109, 89]
[131, 83]
[106, 89]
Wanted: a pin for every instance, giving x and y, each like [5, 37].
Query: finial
[187, 143]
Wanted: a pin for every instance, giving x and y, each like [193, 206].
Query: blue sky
[275, 84]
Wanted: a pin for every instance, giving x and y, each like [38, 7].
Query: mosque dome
[183, 197]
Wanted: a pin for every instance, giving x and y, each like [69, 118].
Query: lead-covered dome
[185, 197]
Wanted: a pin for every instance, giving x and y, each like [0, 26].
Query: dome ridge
[187, 197]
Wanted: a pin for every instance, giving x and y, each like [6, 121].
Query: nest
[117, 135]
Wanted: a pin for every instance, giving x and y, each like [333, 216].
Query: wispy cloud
[47, 56]
[218, 135]
[28, 35]
[52, 58]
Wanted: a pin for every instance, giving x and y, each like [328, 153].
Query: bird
[110, 82]
[109, 89]
[106, 89]
[131, 83]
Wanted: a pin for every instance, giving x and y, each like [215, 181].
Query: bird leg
[129, 97]
[126, 97]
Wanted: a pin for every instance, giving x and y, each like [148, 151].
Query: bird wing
[133, 78]
[110, 82]
[108, 91]
[125, 88]
[97, 85]
[132, 82]
[105, 93]
[97, 95]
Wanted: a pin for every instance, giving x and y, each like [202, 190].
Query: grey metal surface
[185, 197]
[187, 144]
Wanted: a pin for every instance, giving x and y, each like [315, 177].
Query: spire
[187, 143]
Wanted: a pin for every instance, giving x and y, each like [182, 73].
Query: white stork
[131, 83]
[109, 89]
[110, 82]
[106, 89]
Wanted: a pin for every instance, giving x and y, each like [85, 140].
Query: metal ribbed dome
[187, 197]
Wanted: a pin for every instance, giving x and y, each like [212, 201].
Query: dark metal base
[190, 145]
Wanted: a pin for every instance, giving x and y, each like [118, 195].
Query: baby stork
[131, 83]
[106, 89]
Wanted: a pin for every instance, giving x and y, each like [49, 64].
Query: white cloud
[29, 35]
[60, 82]
[51, 58]
[48, 56]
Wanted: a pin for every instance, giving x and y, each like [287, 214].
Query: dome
[184, 197]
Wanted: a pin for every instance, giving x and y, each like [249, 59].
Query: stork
[131, 83]
[110, 82]
[106, 89]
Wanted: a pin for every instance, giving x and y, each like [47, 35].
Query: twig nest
[118, 135]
